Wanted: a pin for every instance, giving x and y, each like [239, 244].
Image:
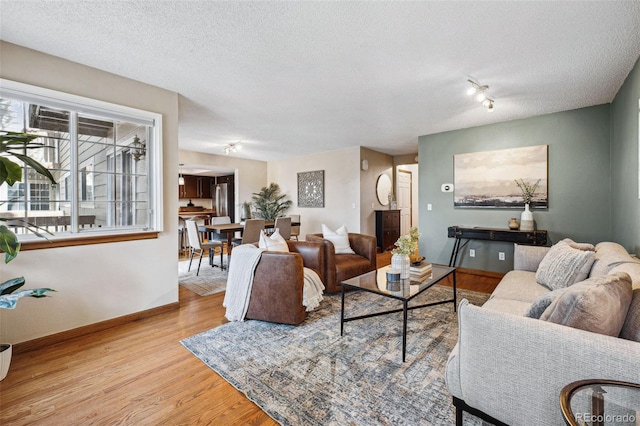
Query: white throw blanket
[242, 266]
[312, 290]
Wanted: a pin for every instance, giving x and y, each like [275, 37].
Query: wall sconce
[232, 147]
[481, 96]
[138, 148]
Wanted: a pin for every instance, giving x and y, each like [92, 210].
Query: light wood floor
[136, 374]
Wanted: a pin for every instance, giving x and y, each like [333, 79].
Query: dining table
[231, 228]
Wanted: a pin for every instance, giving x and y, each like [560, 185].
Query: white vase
[526, 219]
[401, 262]
[5, 359]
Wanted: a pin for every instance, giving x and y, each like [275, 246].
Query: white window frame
[80, 104]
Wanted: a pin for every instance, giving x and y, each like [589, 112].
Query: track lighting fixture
[232, 147]
[480, 93]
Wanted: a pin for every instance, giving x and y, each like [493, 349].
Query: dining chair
[182, 235]
[219, 220]
[200, 221]
[251, 232]
[283, 225]
[295, 229]
[196, 244]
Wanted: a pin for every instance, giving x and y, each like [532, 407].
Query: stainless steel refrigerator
[221, 199]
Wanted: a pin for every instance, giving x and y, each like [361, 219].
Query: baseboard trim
[481, 273]
[53, 339]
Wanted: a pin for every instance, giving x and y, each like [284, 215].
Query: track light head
[488, 104]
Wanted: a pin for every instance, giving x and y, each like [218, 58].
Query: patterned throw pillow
[339, 238]
[564, 265]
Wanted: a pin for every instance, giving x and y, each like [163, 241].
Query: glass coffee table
[600, 403]
[404, 290]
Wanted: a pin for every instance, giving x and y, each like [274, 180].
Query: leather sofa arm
[313, 255]
[276, 295]
[365, 246]
[329, 265]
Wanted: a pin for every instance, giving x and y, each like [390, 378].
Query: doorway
[404, 200]
[407, 194]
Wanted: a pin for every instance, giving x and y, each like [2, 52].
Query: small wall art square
[488, 179]
[311, 189]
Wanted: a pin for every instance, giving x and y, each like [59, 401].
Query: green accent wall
[579, 183]
[625, 203]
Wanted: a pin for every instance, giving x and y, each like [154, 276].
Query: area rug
[310, 375]
[210, 280]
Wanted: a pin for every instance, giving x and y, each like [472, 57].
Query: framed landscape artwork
[488, 179]
[311, 189]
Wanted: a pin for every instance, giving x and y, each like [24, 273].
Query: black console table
[534, 238]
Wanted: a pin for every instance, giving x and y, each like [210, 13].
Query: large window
[105, 159]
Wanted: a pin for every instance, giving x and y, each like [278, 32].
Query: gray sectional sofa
[509, 368]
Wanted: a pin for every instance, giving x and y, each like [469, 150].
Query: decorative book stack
[420, 272]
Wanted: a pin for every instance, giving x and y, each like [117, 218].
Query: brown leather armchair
[340, 267]
[278, 282]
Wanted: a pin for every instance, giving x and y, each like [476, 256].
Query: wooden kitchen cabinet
[195, 187]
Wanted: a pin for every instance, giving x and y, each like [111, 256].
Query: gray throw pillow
[631, 327]
[599, 304]
[563, 266]
[542, 303]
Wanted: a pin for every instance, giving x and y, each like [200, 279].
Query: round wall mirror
[383, 188]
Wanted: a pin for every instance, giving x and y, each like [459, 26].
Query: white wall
[341, 188]
[95, 282]
[250, 175]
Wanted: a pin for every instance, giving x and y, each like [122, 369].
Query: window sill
[82, 240]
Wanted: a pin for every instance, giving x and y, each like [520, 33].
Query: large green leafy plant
[270, 203]
[15, 145]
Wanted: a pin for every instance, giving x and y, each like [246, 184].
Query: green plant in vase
[401, 261]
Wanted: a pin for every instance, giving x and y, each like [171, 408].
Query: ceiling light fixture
[180, 177]
[481, 96]
[232, 147]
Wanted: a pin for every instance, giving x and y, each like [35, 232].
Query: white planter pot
[401, 263]
[526, 219]
[5, 359]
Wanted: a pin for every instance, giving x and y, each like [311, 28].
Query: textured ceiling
[293, 78]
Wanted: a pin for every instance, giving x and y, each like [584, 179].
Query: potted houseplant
[528, 191]
[400, 260]
[269, 203]
[245, 210]
[16, 145]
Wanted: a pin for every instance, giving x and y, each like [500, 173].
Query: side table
[600, 403]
